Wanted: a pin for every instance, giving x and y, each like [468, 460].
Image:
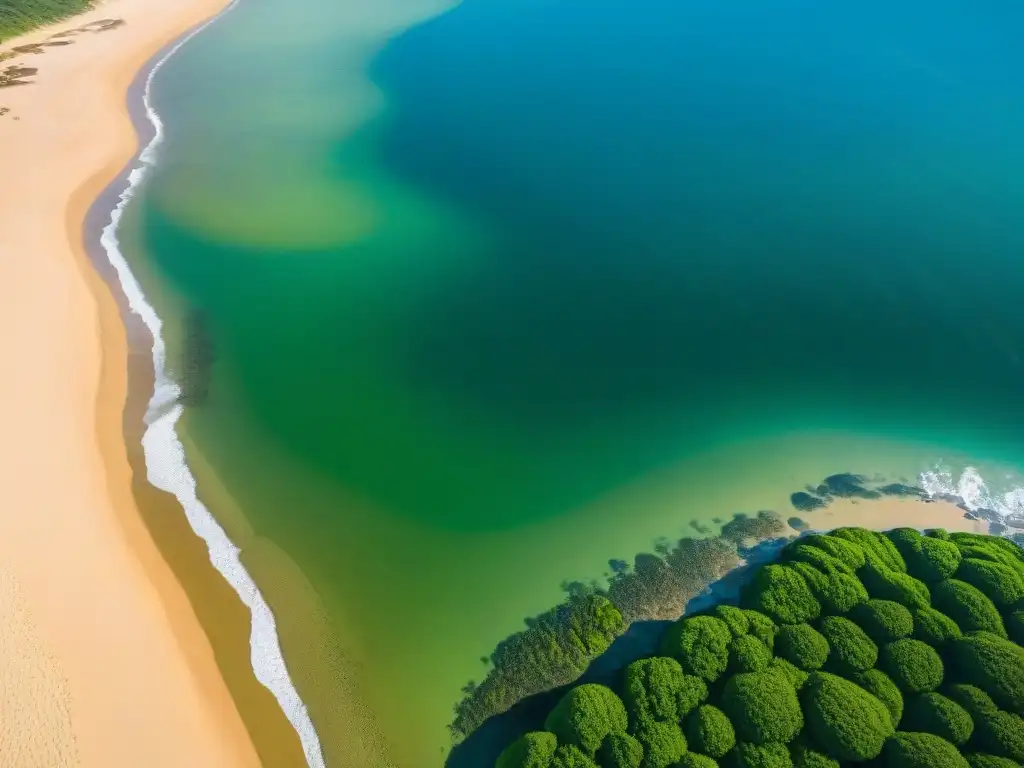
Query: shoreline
[189, 716]
[167, 468]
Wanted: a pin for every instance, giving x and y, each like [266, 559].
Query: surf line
[166, 467]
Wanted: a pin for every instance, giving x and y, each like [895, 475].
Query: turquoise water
[501, 291]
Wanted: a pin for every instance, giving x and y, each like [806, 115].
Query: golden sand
[896, 512]
[103, 661]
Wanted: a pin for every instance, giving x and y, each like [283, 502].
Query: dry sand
[102, 659]
[895, 512]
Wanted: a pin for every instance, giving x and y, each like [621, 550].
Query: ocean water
[467, 300]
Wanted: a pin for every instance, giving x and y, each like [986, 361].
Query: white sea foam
[167, 469]
[971, 487]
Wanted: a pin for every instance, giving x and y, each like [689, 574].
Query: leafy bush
[763, 707]
[620, 750]
[876, 547]
[1015, 627]
[796, 677]
[806, 757]
[701, 644]
[851, 649]
[980, 760]
[657, 689]
[849, 552]
[837, 592]
[1000, 583]
[886, 584]
[710, 732]
[693, 760]
[1000, 733]
[933, 627]
[968, 607]
[586, 715]
[883, 620]
[803, 646]
[782, 594]
[531, 750]
[929, 559]
[971, 698]
[663, 744]
[798, 551]
[735, 618]
[762, 756]
[763, 628]
[993, 664]
[913, 666]
[748, 654]
[922, 750]
[847, 722]
[881, 686]
[571, 756]
[934, 713]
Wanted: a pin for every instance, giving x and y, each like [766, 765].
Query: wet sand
[104, 657]
[896, 512]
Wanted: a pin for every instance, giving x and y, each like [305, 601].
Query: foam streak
[167, 469]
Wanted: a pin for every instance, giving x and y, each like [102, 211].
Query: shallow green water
[562, 278]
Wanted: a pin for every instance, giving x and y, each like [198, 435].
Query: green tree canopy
[803, 646]
[531, 750]
[763, 707]
[586, 715]
[846, 721]
[914, 666]
[884, 620]
[851, 650]
[709, 731]
[701, 645]
[922, 750]
[657, 689]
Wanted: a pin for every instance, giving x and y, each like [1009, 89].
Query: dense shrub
[967, 606]
[995, 732]
[993, 544]
[701, 644]
[763, 707]
[710, 732]
[798, 551]
[807, 757]
[762, 756]
[933, 627]
[663, 744]
[781, 593]
[937, 533]
[586, 715]
[884, 620]
[763, 628]
[1015, 627]
[620, 750]
[1000, 583]
[1000, 733]
[748, 654]
[876, 547]
[693, 760]
[851, 650]
[993, 664]
[922, 750]
[980, 760]
[849, 552]
[571, 756]
[913, 666]
[886, 584]
[796, 677]
[934, 713]
[657, 689]
[803, 646]
[837, 592]
[735, 618]
[531, 750]
[929, 559]
[881, 686]
[847, 722]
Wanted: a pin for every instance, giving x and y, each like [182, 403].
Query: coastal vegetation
[918, 665]
[556, 647]
[19, 16]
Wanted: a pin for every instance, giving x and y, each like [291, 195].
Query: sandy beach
[893, 512]
[103, 661]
